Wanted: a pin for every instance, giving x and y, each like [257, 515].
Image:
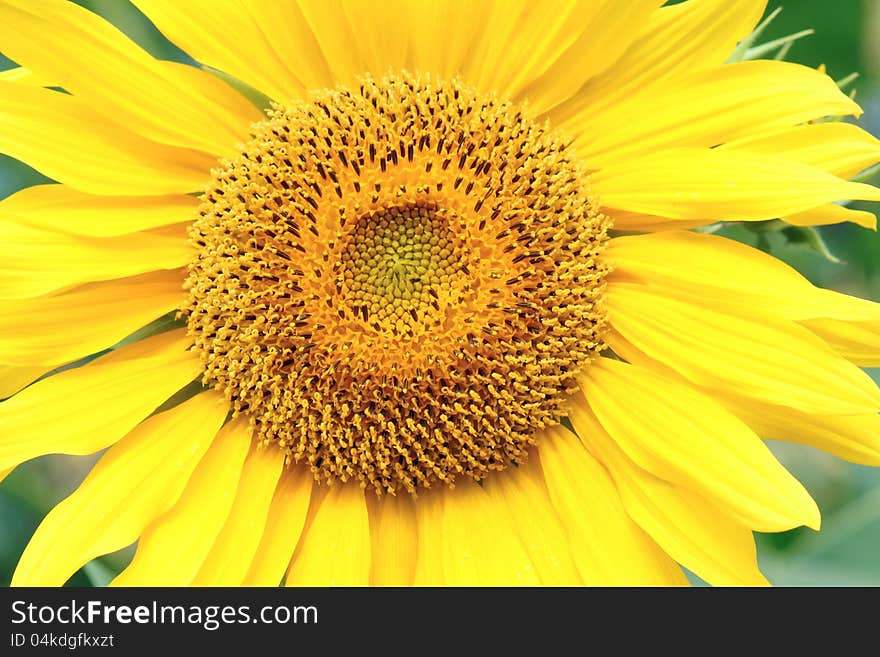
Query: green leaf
[781, 44]
[809, 237]
[740, 53]
[98, 573]
[166, 322]
[867, 175]
[783, 52]
[769, 226]
[843, 83]
[257, 97]
[189, 391]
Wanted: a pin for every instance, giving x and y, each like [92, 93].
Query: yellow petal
[854, 438]
[487, 65]
[23, 75]
[87, 56]
[349, 39]
[693, 531]
[707, 108]
[640, 222]
[522, 493]
[13, 378]
[694, 267]
[335, 549]
[858, 342]
[68, 326]
[705, 265]
[287, 517]
[201, 28]
[847, 308]
[686, 438]
[63, 138]
[352, 38]
[726, 185]
[234, 549]
[58, 207]
[47, 260]
[677, 39]
[335, 36]
[544, 31]
[480, 546]
[133, 483]
[174, 546]
[759, 356]
[832, 214]
[5, 473]
[834, 146]
[83, 410]
[598, 46]
[297, 47]
[429, 521]
[395, 545]
[608, 548]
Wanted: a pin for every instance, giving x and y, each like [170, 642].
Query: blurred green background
[845, 552]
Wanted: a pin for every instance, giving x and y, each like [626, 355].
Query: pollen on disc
[397, 282]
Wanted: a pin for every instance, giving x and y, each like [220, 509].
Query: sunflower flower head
[436, 315]
[398, 283]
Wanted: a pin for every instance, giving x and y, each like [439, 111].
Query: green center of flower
[398, 263]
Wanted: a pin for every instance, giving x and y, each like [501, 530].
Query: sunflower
[407, 292]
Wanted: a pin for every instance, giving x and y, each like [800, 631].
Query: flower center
[397, 283]
[398, 263]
